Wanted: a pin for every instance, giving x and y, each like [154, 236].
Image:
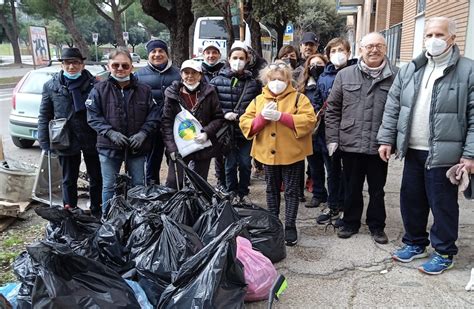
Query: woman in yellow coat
[280, 121]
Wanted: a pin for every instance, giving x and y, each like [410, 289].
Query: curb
[6, 86]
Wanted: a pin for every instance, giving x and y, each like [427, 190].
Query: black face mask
[316, 71]
[290, 61]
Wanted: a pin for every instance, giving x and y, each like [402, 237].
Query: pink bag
[259, 271]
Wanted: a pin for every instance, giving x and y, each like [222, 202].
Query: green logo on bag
[186, 130]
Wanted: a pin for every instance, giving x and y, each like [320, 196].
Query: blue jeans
[424, 190]
[239, 159]
[110, 167]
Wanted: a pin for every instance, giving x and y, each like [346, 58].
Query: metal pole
[242, 24]
[96, 54]
[49, 180]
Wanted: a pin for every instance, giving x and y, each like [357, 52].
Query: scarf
[74, 87]
[372, 72]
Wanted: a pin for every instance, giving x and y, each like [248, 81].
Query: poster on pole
[39, 45]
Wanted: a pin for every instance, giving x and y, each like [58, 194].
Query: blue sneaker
[437, 264]
[409, 252]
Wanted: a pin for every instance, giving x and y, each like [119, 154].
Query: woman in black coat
[200, 99]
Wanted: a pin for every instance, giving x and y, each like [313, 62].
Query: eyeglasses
[124, 66]
[274, 66]
[75, 63]
[377, 46]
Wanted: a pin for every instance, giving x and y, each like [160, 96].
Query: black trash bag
[184, 207]
[266, 231]
[146, 230]
[176, 244]
[25, 270]
[152, 284]
[67, 280]
[119, 210]
[149, 196]
[215, 220]
[213, 278]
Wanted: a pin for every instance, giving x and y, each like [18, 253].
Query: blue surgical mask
[72, 76]
[121, 79]
[211, 65]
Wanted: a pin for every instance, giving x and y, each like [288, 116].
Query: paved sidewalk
[325, 271]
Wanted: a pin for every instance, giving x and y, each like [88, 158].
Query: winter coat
[229, 93]
[207, 111]
[208, 75]
[158, 81]
[355, 108]
[451, 118]
[108, 109]
[57, 102]
[277, 144]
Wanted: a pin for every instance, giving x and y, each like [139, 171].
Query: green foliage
[141, 50]
[320, 17]
[205, 8]
[100, 53]
[137, 35]
[136, 17]
[12, 241]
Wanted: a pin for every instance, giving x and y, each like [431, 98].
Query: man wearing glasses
[124, 114]
[355, 107]
[64, 96]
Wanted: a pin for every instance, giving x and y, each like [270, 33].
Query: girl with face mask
[236, 88]
[280, 122]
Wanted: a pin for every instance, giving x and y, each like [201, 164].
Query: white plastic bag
[185, 129]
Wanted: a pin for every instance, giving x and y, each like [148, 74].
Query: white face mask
[191, 87]
[277, 86]
[338, 59]
[435, 46]
[236, 65]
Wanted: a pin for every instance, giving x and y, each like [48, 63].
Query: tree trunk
[117, 25]
[178, 19]
[254, 25]
[68, 21]
[11, 31]
[280, 30]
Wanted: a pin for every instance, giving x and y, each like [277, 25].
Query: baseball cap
[210, 44]
[240, 44]
[309, 37]
[192, 64]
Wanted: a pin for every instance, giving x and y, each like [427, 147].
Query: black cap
[309, 37]
[71, 53]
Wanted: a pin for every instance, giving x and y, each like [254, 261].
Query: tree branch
[126, 6]
[101, 13]
[159, 12]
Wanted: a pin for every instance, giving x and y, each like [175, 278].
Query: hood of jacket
[168, 65]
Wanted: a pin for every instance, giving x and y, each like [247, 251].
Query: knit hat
[156, 43]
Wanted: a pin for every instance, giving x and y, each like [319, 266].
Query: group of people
[344, 116]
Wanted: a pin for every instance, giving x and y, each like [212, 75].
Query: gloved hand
[175, 156]
[332, 148]
[458, 175]
[231, 116]
[137, 140]
[201, 138]
[117, 138]
[270, 112]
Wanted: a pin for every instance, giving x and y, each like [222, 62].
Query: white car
[135, 57]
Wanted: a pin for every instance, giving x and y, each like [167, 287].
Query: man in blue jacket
[429, 119]
[159, 74]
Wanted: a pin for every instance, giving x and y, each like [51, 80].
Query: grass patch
[10, 80]
[12, 241]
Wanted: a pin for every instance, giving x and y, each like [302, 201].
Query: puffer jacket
[208, 73]
[57, 102]
[109, 109]
[207, 111]
[355, 108]
[451, 116]
[326, 79]
[229, 88]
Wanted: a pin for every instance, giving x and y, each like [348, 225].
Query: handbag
[59, 138]
[319, 117]
[225, 135]
[185, 129]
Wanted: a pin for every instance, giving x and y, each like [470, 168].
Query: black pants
[70, 169]
[290, 176]
[356, 168]
[424, 190]
[201, 167]
[154, 159]
[219, 167]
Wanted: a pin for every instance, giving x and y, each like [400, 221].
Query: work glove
[201, 138]
[458, 175]
[117, 138]
[332, 148]
[231, 116]
[175, 156]
[269, 112]
[136, 140]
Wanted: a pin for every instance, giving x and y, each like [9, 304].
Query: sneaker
[314, 203]
[302, 199]
[339, 221]
[327, 216]
[437, 264]
[346, 232]
[245, 199]
[291, 236]
[379, 237]
[409, 252]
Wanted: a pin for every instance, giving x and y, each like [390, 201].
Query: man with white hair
[429, 121]
[355, 108]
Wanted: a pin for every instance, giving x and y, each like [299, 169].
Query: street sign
[125, 36]
[95, 37]
[288, 36]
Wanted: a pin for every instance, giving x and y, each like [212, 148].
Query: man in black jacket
[64, 96]
[123, 113]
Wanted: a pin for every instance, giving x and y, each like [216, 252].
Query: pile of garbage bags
[155, 247]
